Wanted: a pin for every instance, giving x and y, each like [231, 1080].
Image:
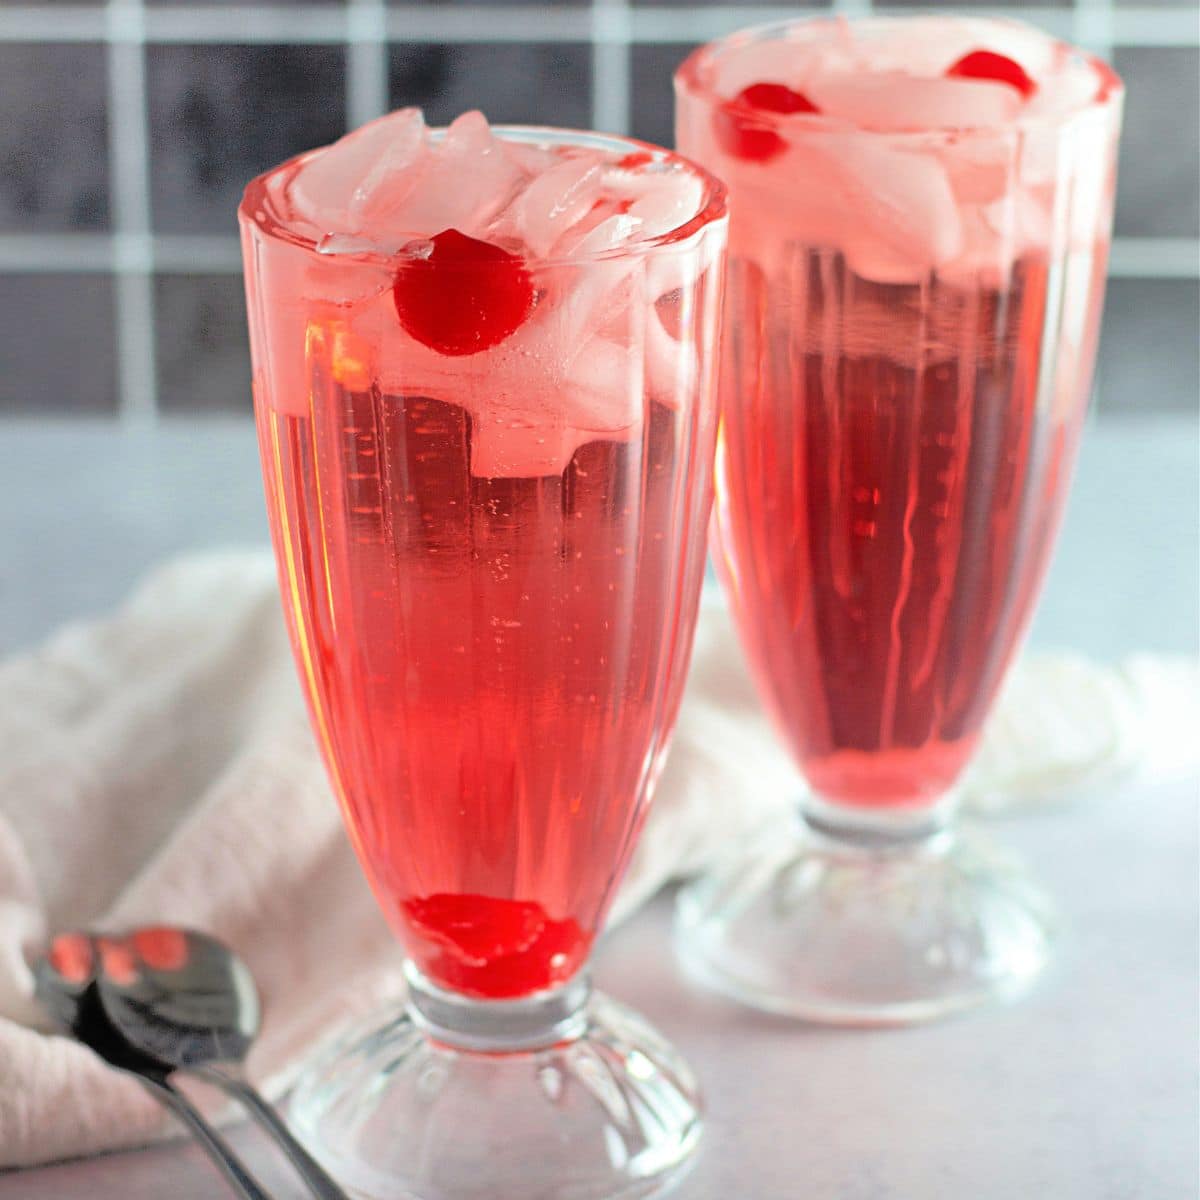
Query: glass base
[567, 1095]
[868, 923]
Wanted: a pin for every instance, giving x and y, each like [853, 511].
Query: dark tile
[53, 138]
[219, 115]
[652, 103]
[57, 345]
[201, 344]
[515, 82]
[1157, 193]
[1149, 356]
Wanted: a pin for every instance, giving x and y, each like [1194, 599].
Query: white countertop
[1086, 1090]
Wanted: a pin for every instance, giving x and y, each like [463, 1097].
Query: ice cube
[772, 61]
[603, 391]
[891, 211]
[552, 202]
[1062, 96]
[531, 157]
[895, 100]
[1045, 148]
[663, 200]
[990, 240]
[346, 243]
[341, 275]
[1071, 86]
[671, 365]
[995, 235]
[502, 449]
[579, 366]
[610, 233]
[981, 169]
[326, 185]
[928, 45]
[1034, 217]
[581, 296]
[465, 181]
[393, 175]
[681, 264]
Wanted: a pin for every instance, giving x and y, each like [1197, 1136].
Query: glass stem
[532, 1022]
[879, 828]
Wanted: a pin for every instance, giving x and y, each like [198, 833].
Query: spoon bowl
[66, 982]
[180, 996]
[185, 1000]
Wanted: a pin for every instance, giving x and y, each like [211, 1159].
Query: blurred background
[128, 129]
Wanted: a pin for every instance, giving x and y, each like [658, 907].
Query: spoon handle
[217, 1149]
[311, 1171]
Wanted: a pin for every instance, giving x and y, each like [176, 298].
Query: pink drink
[920, 217]
[486, 459]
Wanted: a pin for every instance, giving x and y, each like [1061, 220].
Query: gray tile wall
[221, 114]
[53, 138]
[128, 130]
[57, 353]
[1160, 155]
[510, 81]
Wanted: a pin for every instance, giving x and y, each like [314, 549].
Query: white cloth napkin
[156, 767]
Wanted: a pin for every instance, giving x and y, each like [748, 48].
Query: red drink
[486, 454]
[885, 522]
[906, 371]
[494, 666]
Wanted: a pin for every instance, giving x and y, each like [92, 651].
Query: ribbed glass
[910, 332]
[491, 564]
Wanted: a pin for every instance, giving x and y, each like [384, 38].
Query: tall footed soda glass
[487, 453]
[920, 216]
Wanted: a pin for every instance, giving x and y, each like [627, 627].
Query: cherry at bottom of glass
[857, 917]
[561, 1095]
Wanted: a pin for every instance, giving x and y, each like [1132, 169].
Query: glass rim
[689, 78]
[255, 206]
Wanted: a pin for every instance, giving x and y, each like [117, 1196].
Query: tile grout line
[308, 24]
[851, 8]
[453, 25]
[220, 254]
[366, 52]
[1154, 258]
[132, 243]
[1093, 27]
[612, 55]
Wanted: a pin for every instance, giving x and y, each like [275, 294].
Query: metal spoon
[187, 1001]
[65, 983]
